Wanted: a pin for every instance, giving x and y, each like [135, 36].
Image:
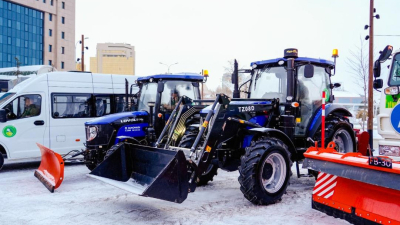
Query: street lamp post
[168, 65]
[82, 41]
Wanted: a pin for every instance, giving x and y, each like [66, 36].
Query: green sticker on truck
[9, 131]
[390, 101]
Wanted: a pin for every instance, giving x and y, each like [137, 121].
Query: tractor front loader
[260, 136]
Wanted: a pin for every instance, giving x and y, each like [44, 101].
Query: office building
[37, 32]
[114, 58]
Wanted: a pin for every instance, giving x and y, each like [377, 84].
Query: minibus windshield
[5, 97]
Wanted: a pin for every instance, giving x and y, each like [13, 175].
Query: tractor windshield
[173, 90]
[268, 83]
[394, 79]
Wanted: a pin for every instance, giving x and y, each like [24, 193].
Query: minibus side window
[71, 105]
[103, 105]
[23, 107]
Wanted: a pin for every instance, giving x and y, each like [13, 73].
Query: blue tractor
[261, 136]
[157, 99]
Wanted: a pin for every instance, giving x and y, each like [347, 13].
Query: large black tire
[265, 171]
[1, 160]
[186, 142]
[339, 130]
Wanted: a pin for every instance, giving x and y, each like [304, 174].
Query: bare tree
[359, 64]
[226, 84]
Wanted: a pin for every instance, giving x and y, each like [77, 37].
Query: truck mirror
[377, 69]
[3, 116]
[378, 84]
[160, 87]
[385, 54]
[308, 71]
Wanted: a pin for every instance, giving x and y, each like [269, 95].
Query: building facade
[37, 32]
[114, 58]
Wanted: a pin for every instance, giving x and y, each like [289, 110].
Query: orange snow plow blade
[51, 169]
[359, 189]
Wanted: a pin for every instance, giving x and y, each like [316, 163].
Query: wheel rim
[273, 172]
[343, 141]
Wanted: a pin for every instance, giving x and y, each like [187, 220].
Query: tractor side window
[309, 94]
[148, 94]
[71, 106]
[394, 79]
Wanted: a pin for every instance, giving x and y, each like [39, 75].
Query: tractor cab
[298, 87]
[157, 97]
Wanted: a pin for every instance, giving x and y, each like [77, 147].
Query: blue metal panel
[318, 115]
[113, 117]
[300, 59]
[249, 102]
[132, 130]
[247, 140]
[260, 120]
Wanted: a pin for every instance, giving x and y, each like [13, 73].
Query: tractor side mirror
[3, 116]
[385, 54]
[378, 84]
[335, 85]
[160, 87]
[308, 71]
[377, 69]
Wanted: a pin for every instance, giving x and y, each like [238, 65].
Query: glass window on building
[50, 63]
[21, 33]
[62, 50]
[50, 48]
[62, 65]
[63, 35]
[50, 32]
[63, 20]
[50, 17]
[51, 2]
[63, 5]
[44, 1]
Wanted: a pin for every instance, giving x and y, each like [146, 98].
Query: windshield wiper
[266, 68]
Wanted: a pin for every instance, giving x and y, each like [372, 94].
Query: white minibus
[52, 108]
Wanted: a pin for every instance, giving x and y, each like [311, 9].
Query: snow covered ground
[84, 200]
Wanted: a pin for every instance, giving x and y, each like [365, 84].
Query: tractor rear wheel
[186, 142]
[265, 171]
[340, 131]
[1, 160]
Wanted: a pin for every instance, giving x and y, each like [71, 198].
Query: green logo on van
[9, 131]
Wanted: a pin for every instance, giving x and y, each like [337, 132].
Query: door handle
[39, 122]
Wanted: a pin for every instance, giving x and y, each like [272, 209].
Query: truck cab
[389, 112]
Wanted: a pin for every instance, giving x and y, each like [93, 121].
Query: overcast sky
[206, 34]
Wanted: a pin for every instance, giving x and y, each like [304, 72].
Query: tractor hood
[237, 103]
[121, 118]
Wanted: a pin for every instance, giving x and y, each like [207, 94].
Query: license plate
[380, 161]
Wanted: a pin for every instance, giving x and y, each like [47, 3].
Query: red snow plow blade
[359, 189]
[51, 169]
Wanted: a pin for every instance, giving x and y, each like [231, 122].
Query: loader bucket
[354, 187]
[146, 171]
[51, 169]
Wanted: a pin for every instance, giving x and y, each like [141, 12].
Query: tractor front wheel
[265, 171]
[186, 142]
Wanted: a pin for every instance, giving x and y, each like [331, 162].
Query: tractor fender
[277, 134]
[330, 109]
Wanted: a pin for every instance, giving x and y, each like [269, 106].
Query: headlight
[92, 133]
[392, 90]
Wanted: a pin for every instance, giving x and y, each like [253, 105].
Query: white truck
[51, 109]
[389, 115]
